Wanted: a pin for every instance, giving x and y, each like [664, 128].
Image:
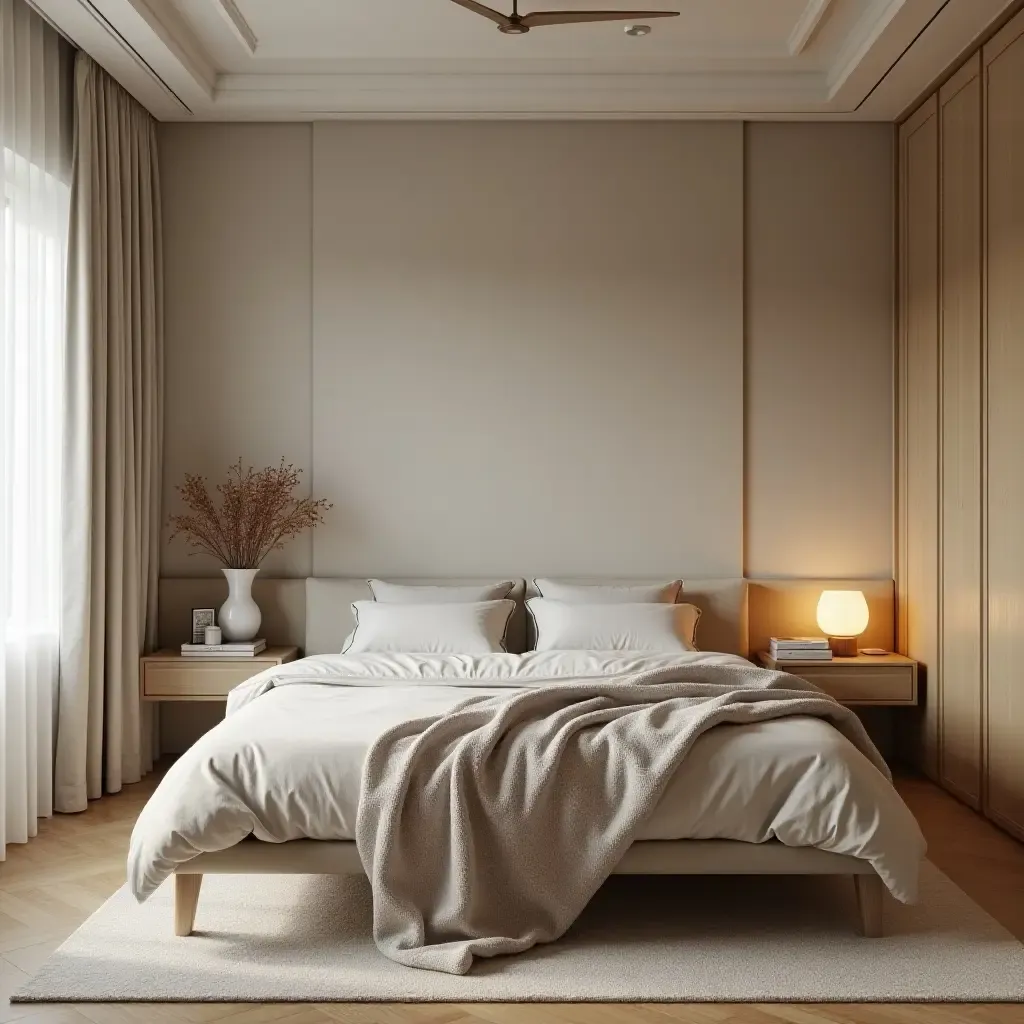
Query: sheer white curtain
[35, 138]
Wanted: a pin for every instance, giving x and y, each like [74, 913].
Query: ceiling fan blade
[487, 12]
[541, 18]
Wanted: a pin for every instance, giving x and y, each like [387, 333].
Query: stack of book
[800, 648]
[249, 649]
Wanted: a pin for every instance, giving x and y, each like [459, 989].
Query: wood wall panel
[1004, 73]
[961, 424]
[919, 416]
[960, 555]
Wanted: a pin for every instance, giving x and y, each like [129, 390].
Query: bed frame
[723, 627]
[651, 857]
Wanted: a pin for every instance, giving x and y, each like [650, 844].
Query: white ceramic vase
[239, 616]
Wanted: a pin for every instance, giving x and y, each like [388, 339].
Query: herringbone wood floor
[50, 886]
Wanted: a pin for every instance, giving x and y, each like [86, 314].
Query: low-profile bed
[277, 786]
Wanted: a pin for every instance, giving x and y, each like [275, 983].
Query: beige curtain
[113, 442]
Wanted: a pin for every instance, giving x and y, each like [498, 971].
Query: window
[35, 113]
[32, 270]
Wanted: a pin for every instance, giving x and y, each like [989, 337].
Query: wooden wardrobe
[961, 425]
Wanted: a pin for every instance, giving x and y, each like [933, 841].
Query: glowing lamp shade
[842, 617]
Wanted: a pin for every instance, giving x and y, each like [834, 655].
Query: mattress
[286, 764]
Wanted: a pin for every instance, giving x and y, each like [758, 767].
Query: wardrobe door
[960, 613]
[919, 413]
[1004, 150]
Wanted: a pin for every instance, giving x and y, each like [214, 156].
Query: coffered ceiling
[313, 59]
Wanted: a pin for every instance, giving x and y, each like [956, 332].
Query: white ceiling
[312, 59]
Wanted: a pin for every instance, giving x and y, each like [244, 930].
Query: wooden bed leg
[870, 897]
[186, 899]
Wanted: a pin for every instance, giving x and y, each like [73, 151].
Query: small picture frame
[201, 618]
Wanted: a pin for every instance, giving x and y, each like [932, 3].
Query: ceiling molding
[240, 28]
[169, 58]
[867, 33]
[955, 29]
[541, 95]
[177, 37]
[807, 25]
[91, 30]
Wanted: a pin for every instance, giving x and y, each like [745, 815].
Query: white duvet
[287, 761]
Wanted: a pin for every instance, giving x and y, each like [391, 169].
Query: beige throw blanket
[487, 830]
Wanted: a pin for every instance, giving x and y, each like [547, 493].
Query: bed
[892, 847]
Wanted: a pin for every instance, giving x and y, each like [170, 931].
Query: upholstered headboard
[723, 604]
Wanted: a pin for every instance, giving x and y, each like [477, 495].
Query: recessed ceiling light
[637, 30]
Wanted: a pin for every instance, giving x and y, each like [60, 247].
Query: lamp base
[843, 646]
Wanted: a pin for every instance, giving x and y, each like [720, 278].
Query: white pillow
[407, 593]
[477, 627]
[613, 627]
[588, 593]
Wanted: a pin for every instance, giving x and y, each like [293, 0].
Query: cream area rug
[281, 938]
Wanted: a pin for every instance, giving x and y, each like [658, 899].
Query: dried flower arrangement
[257, 513]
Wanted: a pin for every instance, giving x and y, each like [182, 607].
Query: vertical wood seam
[961, 426]
[940, 518]
[931, 749]
[983, 753]
[897, 398]
[901, 406]
[745, 347]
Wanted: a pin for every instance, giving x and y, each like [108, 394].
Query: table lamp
[842, 617]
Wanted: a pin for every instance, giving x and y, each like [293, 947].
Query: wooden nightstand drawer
[861, 686]
[889, 679]
[168, 676]
[197, 681]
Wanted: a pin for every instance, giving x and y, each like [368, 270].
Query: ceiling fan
[516, 24]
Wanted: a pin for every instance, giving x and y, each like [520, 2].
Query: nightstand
[885, 680]
[167, 675]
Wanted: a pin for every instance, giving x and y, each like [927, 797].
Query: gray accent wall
[572, 349]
